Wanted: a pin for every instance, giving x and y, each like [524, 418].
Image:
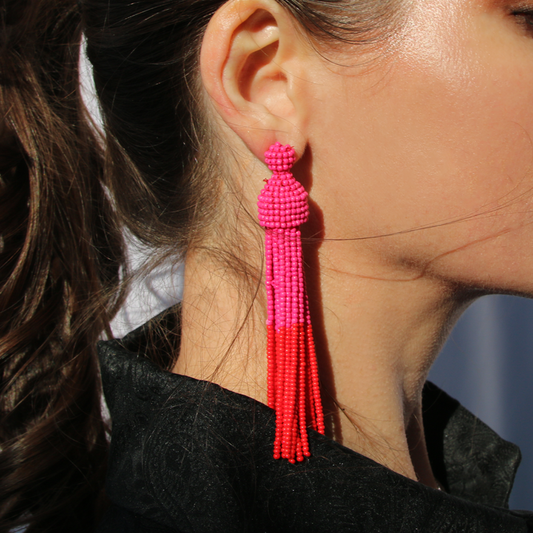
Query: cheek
[456, 152]
[417, 147]
[449, 141]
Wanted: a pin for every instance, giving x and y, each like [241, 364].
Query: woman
[411, 128]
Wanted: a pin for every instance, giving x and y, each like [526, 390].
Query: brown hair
[60, 255]
[61, 248]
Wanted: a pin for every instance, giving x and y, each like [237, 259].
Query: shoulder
[189, 456]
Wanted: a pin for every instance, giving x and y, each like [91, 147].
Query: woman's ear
[252, 63]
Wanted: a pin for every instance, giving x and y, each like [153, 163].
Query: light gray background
[487, 364]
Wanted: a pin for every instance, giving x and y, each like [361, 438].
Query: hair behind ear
[60, 254]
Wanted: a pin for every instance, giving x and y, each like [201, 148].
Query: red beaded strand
[293, 386]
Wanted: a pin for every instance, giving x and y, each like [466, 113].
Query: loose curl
[61, 252]
[61, 248]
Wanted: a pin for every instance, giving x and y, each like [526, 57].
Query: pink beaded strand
[293, 385]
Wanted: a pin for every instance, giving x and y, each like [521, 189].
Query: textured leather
[188, 456]
[467, 456]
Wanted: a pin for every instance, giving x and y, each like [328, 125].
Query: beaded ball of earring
[293, 385]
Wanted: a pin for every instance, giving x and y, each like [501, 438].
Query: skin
[420, 173]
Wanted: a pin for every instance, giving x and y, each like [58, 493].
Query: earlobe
[250, 59]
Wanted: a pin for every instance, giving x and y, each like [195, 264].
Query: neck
[376, 339]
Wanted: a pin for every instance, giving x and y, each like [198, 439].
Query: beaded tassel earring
[293, 388]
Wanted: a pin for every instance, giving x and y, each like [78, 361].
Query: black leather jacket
[188, 456]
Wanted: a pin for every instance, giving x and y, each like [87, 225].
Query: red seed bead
[293, 386]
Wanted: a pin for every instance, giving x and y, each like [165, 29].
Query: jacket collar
[468, 458]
